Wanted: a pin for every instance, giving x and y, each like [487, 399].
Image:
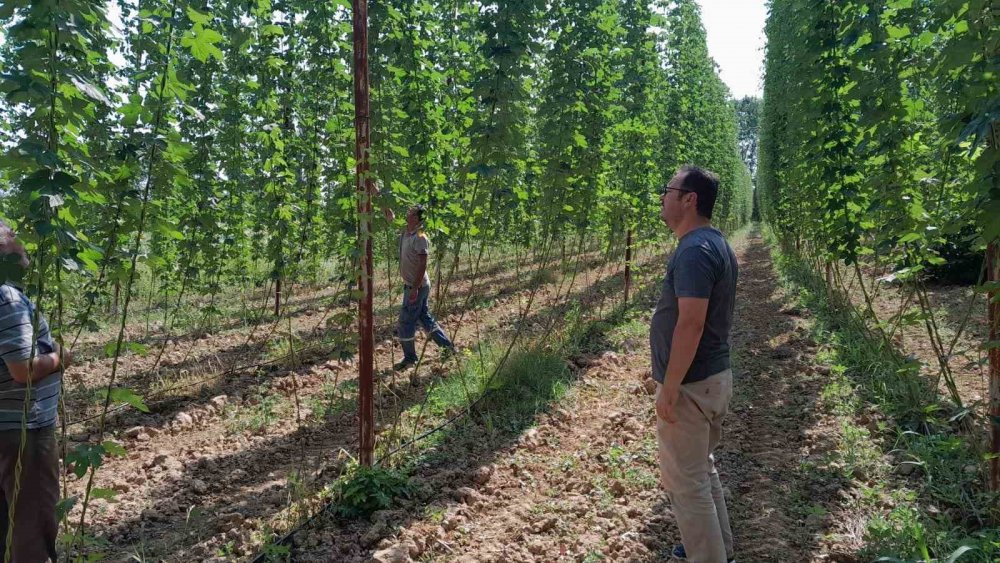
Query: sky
[735, 30]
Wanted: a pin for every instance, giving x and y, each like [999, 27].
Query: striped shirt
[16, 331]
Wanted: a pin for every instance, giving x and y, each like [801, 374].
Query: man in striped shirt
[30, 383]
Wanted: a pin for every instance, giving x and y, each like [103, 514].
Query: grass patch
[264, 410]
[506, 398]
[333, 400]
[926, 469]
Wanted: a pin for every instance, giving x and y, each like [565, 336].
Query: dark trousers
[417, 312]
[35, 525]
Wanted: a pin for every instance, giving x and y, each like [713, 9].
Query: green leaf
[201, 41]
[106, 494]
[114, 448]
[123, 395]
[83, 457]
[897, 32]
[197, 17]
[65, 506]
[272, 29]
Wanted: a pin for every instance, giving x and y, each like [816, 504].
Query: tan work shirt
[411, 247]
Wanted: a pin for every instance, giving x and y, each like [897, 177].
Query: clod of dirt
[152, 514]
[617, 488]
[183, 420]
[908, 467]
[159, 459]
[229, 521]
[545, 525]
[611, 358]
[378, 531]
[650, 386]
[783, 353]
[414, 546]
[199, 486]
[531, 439]
[482, 475]
[219, 402]
[395, 554]
[452, 521]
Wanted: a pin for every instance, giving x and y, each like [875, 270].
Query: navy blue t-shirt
[702, 266]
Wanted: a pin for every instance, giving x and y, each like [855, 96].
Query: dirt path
[582, 484]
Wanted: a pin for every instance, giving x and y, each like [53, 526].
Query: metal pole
[993, 276]
[366, 379]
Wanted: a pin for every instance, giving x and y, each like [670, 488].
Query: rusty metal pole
[362, 132]
[628, 263]
[993, 276]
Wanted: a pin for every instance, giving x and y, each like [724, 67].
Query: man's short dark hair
[419, 210]
[705, 184]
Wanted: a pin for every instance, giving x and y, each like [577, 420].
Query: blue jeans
[409, 315]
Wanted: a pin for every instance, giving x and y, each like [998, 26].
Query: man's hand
[414, 293]
[666, 401]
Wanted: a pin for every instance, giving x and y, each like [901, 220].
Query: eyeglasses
[669, 189]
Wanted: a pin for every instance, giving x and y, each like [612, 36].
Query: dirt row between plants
[582, 485]
[205, 473]
[191, 363]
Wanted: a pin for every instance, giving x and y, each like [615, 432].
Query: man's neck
[691, 224]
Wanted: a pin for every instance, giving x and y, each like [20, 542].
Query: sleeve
[694, 273]
[422, 245]
[15, 328]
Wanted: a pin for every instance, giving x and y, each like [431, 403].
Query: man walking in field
[30, 383]
[414, 248]
[689, 340]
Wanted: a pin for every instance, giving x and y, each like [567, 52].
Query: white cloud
[735, 30]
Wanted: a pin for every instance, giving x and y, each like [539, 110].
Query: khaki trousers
[687, 467]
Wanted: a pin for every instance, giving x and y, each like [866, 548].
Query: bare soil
[214, 461]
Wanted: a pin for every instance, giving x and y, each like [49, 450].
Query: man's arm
[36, 369]
[691, 314]
[421, 269]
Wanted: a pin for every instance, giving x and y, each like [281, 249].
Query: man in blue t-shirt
[689, 342]
[30, 383]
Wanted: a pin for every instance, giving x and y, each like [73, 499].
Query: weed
[258, 416]
[435, 513]
[331, 401]
[271, 550]
[360, 491]
[227, 549]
